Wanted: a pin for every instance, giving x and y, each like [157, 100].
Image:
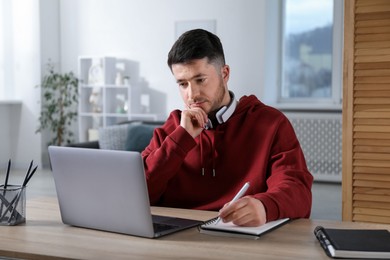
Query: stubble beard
[217, 104]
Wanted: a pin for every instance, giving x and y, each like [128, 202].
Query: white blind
[6, 48]
[1, 50]
[19, 47]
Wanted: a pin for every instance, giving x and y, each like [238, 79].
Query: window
[311, 57]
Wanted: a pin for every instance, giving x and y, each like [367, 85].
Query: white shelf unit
[112, 101]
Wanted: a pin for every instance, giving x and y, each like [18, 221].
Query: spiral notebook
[231, 230]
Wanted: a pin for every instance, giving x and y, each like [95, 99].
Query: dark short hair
[196, 44]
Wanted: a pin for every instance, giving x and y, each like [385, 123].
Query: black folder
[354, 243]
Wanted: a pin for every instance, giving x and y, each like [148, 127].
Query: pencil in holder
[12, 205]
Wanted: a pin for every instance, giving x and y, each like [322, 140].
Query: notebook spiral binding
[208, 222]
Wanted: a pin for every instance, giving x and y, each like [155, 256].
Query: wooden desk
[45, 237]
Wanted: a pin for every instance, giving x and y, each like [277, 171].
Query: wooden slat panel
[371, 204]
[375, 37]
[367, 101]
[371, 149]
[360, 86]
[372, 156]
[374, 72]
[372, 30]
[376, 198]
[373, 9]
[378, 58]
[373, 129]
[360, 138]
[371, 16]
[373, 23]
[367, 114]
[372, 191]
[371, 163]
[373, 44]
[370, 218]
[374, 177]
[372, 107]
[371, 2]
[374, 170]
[375, 139]
[373, 65]
[372, 93]
[371, 145]
[370, 211]
[372, 55]
[372, 184]
[372, 79]
[370, 121]
[367, 34]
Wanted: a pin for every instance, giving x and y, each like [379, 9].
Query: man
[202, 156]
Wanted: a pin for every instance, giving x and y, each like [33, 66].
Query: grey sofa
[127, 136]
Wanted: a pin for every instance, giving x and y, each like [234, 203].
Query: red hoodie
[256, 144]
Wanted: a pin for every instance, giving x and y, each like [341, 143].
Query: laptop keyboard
[159, 227]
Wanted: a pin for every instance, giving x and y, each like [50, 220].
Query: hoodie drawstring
[212, 153]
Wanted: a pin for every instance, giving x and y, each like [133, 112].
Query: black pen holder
[12, 205]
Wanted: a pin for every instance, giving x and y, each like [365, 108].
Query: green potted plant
[59, 105]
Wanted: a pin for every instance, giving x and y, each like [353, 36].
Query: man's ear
[225, 72]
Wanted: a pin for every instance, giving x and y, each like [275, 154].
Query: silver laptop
[106, 190]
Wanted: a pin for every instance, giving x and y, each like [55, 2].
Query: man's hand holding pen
[246, 211]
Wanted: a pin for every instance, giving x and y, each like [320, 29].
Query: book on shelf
[219, 228]
[354, 243]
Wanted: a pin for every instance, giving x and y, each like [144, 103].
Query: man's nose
[193, 90]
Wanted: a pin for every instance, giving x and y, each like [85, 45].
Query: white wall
[144, 31]
[49, 15]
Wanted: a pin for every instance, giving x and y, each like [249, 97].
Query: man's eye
[183, 84]
[201, 80]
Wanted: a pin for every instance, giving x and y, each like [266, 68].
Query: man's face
[202, 84]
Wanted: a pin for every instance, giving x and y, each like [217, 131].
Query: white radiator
[320, 137]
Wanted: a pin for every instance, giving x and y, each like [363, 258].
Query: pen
[28, 174]
[5, 184]
[238, 195]
[7, 175]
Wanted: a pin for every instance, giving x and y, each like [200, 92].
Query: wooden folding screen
[366, 111]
